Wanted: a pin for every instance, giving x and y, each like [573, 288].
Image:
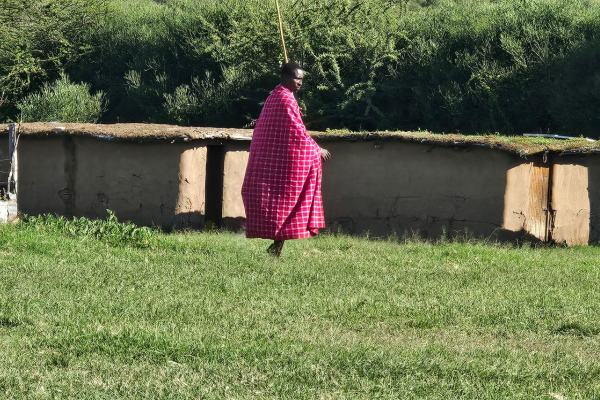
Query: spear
[281, 31]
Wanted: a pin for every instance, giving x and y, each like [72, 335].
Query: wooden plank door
[537, 223]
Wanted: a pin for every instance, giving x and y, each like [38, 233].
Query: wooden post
[13, 141]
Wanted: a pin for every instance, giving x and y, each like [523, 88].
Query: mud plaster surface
[236, 160]
[148, 184]
[375, 186]
[516, 197]
[385, 187]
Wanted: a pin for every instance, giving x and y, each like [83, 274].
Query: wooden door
[538, 213]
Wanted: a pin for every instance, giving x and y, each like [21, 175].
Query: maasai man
[282, 186]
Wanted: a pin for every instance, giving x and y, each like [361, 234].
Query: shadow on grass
[6, 322]
[500, 237]
[577, 329]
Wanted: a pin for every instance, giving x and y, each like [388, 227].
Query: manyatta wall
[376, 184]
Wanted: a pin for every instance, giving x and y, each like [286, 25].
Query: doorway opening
[215, 164]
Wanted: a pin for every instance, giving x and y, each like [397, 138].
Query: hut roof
[522, 145]
[130, 132]
[154, 132]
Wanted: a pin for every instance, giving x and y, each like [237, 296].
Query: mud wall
[384, 187]
[146, 183]
[234, 167]
[379, 187]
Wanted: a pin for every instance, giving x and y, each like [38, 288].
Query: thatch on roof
[130, 132]
[154, 132]
[522, 145]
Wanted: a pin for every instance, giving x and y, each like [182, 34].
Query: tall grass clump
[63, 101]
[110, 230]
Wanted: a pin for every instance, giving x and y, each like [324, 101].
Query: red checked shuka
[282, 186]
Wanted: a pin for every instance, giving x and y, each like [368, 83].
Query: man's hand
[325, 155]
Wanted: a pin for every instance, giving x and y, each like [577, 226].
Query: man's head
[291, 76]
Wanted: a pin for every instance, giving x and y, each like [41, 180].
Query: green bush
[215, 62]
[38, 40]
[476, 66]
[63, 101]
[206, 100]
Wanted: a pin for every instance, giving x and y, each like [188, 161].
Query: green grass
[211, 316]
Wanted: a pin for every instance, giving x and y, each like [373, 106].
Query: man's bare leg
[275, 248]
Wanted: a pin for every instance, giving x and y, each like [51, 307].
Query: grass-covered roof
[522, 145]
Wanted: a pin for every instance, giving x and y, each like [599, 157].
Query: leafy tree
[39, 39]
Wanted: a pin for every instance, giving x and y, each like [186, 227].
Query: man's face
[293, 82]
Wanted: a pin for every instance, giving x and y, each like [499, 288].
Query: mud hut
[381, 183]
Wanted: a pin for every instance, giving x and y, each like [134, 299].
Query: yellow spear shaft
[281, 31]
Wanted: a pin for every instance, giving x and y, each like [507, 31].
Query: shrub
[445, 65]
[39, 39]
[63, 101]
[476, 66]
[206, 100]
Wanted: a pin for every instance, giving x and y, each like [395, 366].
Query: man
[282, 186]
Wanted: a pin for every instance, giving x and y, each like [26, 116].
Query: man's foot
[275, 248]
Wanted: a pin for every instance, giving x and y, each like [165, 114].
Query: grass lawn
[211, 316]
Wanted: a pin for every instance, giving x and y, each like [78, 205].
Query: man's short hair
[288, 69]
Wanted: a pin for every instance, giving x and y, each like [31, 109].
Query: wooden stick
[12, 150]
[281, 31]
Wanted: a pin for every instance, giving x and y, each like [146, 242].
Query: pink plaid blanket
[282, 186]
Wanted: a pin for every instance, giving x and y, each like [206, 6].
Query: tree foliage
[63, 101]
[40, 38]
[507, 66]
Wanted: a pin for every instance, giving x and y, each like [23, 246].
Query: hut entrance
[215, 164]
